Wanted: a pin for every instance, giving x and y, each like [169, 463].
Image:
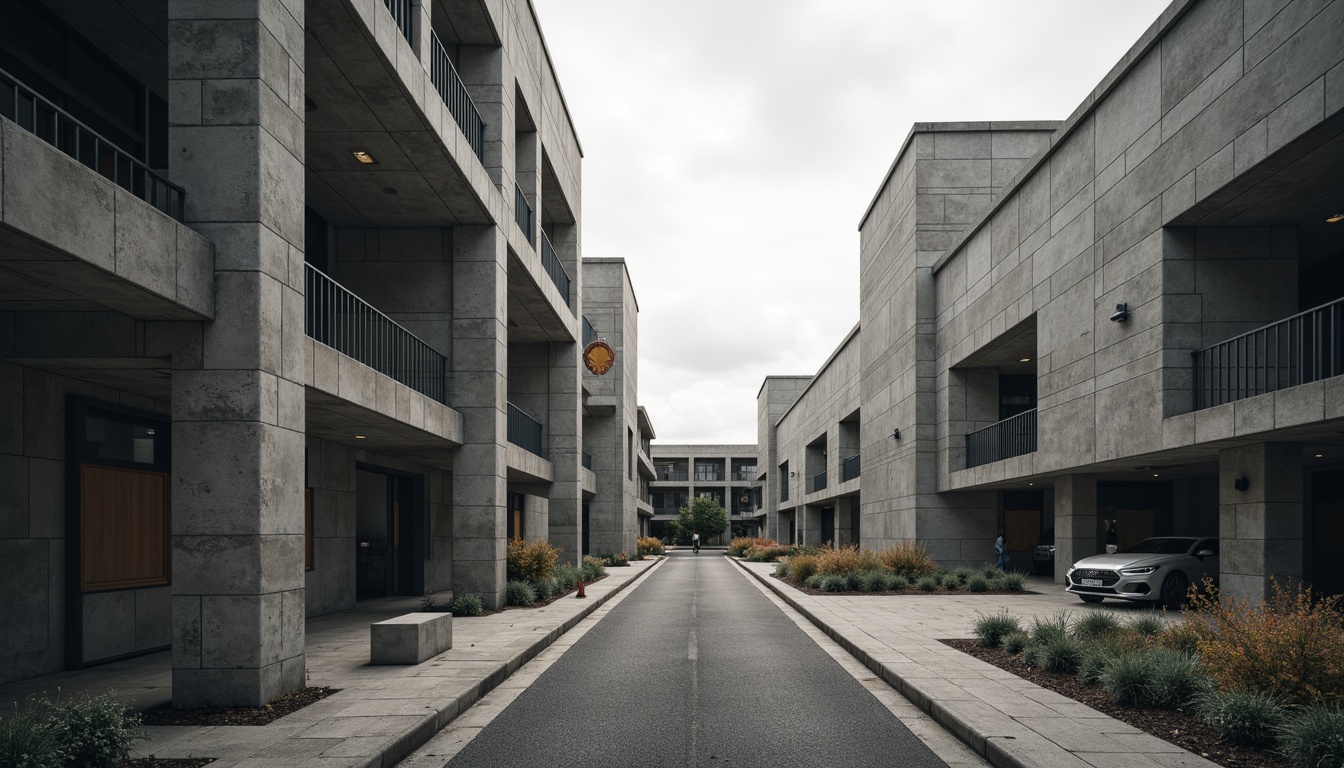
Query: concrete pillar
[810, 533]
[1075, 521]
[480, 387]
[846, 516]
[1260, 528]
[565, 437]
[236, 143]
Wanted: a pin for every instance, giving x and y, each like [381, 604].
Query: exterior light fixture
[1320, 455]
[1336, 218]
[1154, 474]
[895, 434]
[363, 157]
[1242, 483]
[1121, 313]
[359, 437]
[1030, 484]
[1024, 360]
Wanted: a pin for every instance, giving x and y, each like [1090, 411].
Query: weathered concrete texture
[1261, 527]
[1076, 534]
[411, 638]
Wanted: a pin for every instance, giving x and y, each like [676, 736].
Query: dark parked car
[1043, 556]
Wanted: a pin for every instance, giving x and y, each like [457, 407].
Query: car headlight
[1141, 571]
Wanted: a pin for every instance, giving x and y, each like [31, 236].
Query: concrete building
[309, 269]
[725, 473]
[616, 430]
[1122, 325]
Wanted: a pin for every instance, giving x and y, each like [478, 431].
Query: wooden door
[1021, 529]
[123, 528]
[1133, 526]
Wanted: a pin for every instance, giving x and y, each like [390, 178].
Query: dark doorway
[1017, 394]
[828, 525]
[584, 534]
[389, 549]
[1324, 570]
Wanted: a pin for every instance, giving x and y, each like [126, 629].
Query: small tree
[704, 516]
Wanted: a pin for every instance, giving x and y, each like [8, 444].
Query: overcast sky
[731, 146]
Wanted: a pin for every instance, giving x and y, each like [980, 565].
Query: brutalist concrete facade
[727, 473]
[1069, 329]
[315, 294]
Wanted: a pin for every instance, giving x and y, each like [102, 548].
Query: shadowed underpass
[696, 667]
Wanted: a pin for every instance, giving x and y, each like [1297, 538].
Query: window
[630, 453]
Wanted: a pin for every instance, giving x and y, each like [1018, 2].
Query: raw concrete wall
[777, 393]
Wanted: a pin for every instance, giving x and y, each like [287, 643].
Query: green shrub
[1153, 677]
[1044, 630]
[977, 583]
[97, 731]
[1147, 623]
[614, 559]
[1177, 679]
[531, 560]
[1014, 642]
[951, 584]
[990, 628]
[1313, 737]
[568, 576]
[1243, 717]
[802, 566]
[1094, 624]
[782, 569]
[835, 583]
[991, 573]
[593, 568]
[1013, 581]
[927, 584]
[428, 601]
[29, 738]
[766, 554]
[962, 575]
[547, 587]
[467, 605]
[1031, 653]
[894, 583]
[872, 581]
[1097, 654]
[519, 593]
[813, 581]
[1061, 655]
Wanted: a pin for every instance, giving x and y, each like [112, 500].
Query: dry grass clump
[907, 558]
[843, 561]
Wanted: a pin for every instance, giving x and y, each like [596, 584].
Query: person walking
[695, 542]
[1001, 551]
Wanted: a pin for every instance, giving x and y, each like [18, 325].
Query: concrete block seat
[410, 639]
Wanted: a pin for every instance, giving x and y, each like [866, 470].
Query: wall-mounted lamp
[1121, 313]
[896, 434]
[1242, 483]
[793, 474]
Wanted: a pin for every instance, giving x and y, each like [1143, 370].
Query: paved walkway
[381, 714]
[1008, 720]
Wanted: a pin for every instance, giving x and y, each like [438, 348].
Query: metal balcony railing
[522, 212]
[525, 431]
[676, 476]
[589, 333]
[401, 13]
[551, 263]
[667, 510]
[744, 474]
[587, 460]
[338, 318]
[849, 468]
[455, 96]
[58, 128]
[1014, 436]
[708, 476]
[1306, 347]
[818, 483]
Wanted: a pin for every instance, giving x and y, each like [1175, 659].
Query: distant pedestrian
[1001, 550]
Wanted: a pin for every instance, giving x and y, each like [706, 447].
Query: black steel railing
[818, 483]
[673, 476]
[58, 128]
[744, 474]
[455, 96]
[551, 263]
[667, 510]
[522, 212]
[1306, 347]
[589, 333]
[849, 468]
[708, 476]
[525, 431]
[587, 460]
[401, 13]
[1013, 436]
[338, 318]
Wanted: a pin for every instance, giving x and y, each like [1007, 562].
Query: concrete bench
[410, 639]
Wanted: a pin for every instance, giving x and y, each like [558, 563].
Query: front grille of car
[1108, 578]
[1044, 552]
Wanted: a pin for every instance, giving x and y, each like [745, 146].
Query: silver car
[1156, 570]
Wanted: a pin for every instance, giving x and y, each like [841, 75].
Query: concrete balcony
[73, 239]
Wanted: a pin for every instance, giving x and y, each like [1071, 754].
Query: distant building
[725, 473]
[1123, 325]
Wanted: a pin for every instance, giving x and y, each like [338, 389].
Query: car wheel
[1173, 590]
[1092, 598]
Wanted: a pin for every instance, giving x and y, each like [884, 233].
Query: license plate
[1091, 582]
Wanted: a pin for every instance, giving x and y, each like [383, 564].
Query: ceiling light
[1024, 360]
[1335, 218]
[363, 157]
[1030, 483]
[359, 437]
[1320, 455]
[1154, 474]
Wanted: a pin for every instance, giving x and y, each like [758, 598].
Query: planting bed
[289, 703]
[1178, 726]
[166, 762]
[910, 591]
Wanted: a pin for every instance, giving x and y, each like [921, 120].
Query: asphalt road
[695, 668]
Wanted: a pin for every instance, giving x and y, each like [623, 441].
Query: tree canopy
[704, 516]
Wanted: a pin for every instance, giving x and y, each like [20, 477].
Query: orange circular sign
[599, 357]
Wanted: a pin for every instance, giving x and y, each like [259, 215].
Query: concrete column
[1075, 521]
[236, 142]
[1260, 528]
[846, 515]
[810, 533]
[480, 382]
[565, 439]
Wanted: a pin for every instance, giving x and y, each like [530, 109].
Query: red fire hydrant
[580, 593]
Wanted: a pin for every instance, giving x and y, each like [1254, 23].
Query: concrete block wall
[407, 273]
[773, 399]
